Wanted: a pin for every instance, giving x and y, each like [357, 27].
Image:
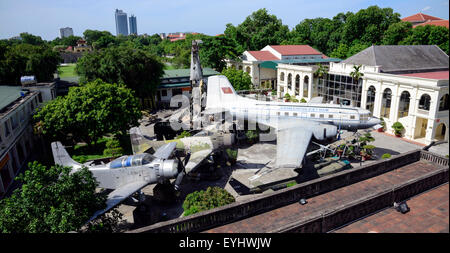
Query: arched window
[289, 81]
[297, 85]
[240, 67]
[247, 70]
[403, 106]
[424, 102]
[370, 99]
[282, 76]
[305, 86]
[386, 103]
[443, 103]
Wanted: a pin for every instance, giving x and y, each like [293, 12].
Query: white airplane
[125, 175]
[295, 123]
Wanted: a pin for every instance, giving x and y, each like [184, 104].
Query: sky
[45, 17]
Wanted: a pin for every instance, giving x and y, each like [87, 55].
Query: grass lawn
[83, 153]
[67, 71]
[169, 67]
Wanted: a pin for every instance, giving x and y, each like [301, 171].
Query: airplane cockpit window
[134, 160]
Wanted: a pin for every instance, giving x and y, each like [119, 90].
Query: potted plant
[367, 152]
[340, 150]
[232, 155]
[398, 128]
[383, 125]
[287, 97]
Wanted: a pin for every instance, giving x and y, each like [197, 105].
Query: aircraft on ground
[124, 175]
[295, 123]
[197, 147]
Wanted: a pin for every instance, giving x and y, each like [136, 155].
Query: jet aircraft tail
[63, 158]
[220, 92]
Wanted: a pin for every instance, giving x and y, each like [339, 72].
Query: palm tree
[356, 74]
[321, 71]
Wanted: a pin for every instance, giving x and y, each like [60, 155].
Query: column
[310, 86]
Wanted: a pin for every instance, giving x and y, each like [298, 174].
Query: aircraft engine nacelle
[325, 131]
[166, 169]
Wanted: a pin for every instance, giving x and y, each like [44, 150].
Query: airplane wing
[165, 151]
[196, 158]
[293, 136]
[119, 195]
[291, 146]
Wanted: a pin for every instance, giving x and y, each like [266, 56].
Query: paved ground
[274, 219]
[429, 214]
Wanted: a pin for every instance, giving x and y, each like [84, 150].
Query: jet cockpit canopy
[132, 160]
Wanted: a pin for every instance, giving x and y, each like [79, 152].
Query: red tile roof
[420, 17]
[438, 75]
[295, 49]
[443, 23]
[263, 55]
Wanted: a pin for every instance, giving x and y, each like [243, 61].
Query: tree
[26, 59]
[396, 33]
[89, 112]
[137, 69]
[51, 200]
[31, 39]
[240, 79]
[428, 35]
[215, 50]
[258, 30]
[356, 74]
[368, 25]
[92, 36]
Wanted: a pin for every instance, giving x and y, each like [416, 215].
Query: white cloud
[426, 8]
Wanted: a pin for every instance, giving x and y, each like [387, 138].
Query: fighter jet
[124, 175]
[198, 147]
[295, 123]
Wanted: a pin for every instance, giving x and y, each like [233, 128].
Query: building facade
[176, 82]
[406, 84]
[262, 65]
[18, 144]
[121, 22]
[66, 32]
[133, 25]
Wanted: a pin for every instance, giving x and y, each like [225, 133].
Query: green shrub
[303, 100]
[252, 136]
[398, 128]
[386, 156]
[287, 96]
[274, 92]
[113, 148]
[183, 134]
[199, 201]
[232, 154]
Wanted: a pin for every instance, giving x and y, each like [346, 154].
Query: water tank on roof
[133, 160]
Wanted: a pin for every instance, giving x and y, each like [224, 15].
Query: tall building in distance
[121, 23]
[133, 24]
[66, 32]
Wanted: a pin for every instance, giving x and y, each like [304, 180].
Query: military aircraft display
[295, 123]
[197, 147]
[124, 175]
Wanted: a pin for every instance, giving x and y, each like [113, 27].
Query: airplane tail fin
[140, 144]
[63, 158]
[220, 92]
